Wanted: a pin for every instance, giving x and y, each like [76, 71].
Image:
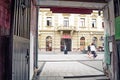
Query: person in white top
[93, 50]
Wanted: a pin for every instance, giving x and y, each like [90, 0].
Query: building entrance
[66, 42]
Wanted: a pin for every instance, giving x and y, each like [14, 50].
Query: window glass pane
[93, 23]
[102, 24]
[66, 22]
[82, 22]
[49, 21]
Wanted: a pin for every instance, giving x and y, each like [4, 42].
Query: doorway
[82, 43]
[66, 42]
[74, 61]
[48, 43]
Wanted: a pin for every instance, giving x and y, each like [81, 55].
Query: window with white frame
[82, 22]
[94, 23]
[66, 22]
[49, 21]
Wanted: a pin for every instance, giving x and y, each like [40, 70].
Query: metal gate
[20, 41]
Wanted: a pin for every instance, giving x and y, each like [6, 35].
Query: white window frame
[66, 22]
[49, 21]
[94, 23]
[82, 22]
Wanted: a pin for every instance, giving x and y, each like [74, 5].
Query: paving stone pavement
[68, 57]
[70, 67]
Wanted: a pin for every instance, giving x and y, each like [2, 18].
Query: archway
[82, 43]
[24, 7]
[65, 40]
[56, 9]
[48, 43]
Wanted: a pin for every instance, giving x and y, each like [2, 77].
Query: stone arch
[82, 43]
[48, 43]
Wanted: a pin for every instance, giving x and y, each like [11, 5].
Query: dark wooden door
[20, 40]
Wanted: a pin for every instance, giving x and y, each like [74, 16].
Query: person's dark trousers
[65, 52]
[94, 54]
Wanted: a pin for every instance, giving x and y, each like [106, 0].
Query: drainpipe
[37, 13]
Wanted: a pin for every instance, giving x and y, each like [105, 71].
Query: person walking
[93, 50]
[89, 51]
[65, 49]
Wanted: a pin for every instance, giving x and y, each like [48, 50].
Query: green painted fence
[117, 28]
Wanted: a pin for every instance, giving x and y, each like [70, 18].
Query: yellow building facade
[76, 31]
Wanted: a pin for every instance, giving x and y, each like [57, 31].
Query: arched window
[82, 38]
[82, 43]
[48, 43]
